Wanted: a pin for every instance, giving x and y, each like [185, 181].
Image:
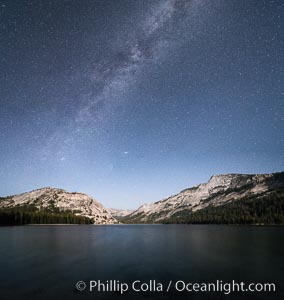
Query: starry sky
[133, 101]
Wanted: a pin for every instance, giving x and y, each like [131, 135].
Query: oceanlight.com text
[219, 286]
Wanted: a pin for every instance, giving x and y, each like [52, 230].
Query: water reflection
[45, 262]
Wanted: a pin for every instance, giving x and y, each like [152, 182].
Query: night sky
[132, 101]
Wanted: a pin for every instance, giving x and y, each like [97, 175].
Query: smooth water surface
[45, 262]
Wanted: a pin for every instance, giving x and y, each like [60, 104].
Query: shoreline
[142, 224]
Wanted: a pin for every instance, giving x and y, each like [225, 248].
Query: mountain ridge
[220, 189]
[58, 200]
[223, 193]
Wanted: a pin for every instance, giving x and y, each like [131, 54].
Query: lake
[45, 262]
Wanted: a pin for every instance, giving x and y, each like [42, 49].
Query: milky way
[131, 101]
[111, 76]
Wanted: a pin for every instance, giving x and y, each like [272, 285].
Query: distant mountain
[119, 213]
[59, 202]
[231, 198]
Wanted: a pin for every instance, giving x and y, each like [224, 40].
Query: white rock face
[80, 204]
[219, 190]
[119, 212]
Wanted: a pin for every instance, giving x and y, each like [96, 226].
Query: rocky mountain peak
[55, 199]
[219, 190]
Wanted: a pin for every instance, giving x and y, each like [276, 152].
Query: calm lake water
[45, 262]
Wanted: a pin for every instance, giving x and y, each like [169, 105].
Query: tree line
[25, 215]
[267, 209]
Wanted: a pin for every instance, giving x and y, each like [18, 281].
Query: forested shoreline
[268, 209]
[22, 216]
